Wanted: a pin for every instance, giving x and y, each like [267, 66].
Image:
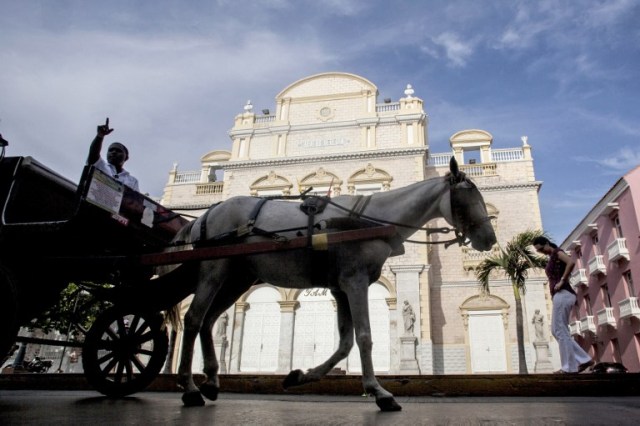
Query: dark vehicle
[38, 365]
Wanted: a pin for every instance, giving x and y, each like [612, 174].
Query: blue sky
[171, 75]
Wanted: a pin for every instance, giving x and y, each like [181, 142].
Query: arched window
[369, 180]
[321, 181]
[272, 184]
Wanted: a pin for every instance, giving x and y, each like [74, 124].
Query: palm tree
[515, 261]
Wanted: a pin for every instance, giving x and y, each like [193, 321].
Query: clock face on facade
[325, 112]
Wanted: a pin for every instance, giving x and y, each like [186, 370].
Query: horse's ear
[453, 166]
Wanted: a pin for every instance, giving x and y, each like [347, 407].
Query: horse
[347, 270]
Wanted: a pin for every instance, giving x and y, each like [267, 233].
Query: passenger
[117, 154]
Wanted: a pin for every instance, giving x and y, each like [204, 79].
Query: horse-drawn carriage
[54, 232]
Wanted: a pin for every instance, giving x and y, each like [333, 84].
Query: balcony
[629, 308]
[574, 328]
[606, 318]
[597, 266]
[587, 325]
[578, 277]
[618, 250]
[472, 258]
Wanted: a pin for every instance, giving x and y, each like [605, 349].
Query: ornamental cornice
[342, 156]
[407, 268]
[510, 186]
[284, 128]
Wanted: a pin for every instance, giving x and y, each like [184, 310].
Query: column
[287, 322]
[236, 336]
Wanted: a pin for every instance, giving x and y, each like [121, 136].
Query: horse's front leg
[357, 289]
[345, 329]
[193, 321]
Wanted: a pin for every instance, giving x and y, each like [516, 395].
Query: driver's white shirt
[124, 176]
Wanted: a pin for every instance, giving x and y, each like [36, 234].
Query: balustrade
[618, 250]
[596, 265]
[606, 317]
[578, 277]
[574, 328]
[587, 325]
[629, 308]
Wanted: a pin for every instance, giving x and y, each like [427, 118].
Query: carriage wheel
[124, 351]
[8, 312]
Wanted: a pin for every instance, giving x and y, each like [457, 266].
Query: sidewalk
[627, 384]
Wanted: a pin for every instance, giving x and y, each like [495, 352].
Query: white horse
[347, 270]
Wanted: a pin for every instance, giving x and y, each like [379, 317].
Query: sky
[171, 75]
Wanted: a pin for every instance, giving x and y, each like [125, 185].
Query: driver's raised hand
[103, 129]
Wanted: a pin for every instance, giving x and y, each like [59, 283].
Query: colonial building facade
[329, 132]
[605, 245]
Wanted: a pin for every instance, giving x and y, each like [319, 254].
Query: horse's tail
[172, 317]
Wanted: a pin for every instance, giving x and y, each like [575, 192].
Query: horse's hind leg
[222, 301]
[345, 329]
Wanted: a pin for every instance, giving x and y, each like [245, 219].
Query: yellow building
[329, 132]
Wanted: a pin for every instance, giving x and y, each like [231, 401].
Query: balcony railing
[587, 325]
[618, 250]
[507, 154]
[440, 159]
[482, 169]
[392, 106]
[472, 258]
[596, 265]
[605, 317]
[629, 308]
[578, 277]
[188, 177]
[209, 188]
[574, 328]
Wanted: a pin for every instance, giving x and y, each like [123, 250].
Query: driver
[117, 154]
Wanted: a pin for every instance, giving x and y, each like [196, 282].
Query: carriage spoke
[105, 370]
[118, 377]
[103, 359]
[134, 323]
[106, 344]
[128, 370]
[136, 361]
[144, 352]
[144, 338]
[111, 333]
[122, 328]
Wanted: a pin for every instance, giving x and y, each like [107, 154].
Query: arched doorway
[261, 334]
[315, 328]
[485, 318]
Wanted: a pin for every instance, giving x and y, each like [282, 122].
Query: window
[606, 297]
[629, 283]
[616, 225]
[587, 305]
[367, 189]
[594, 242]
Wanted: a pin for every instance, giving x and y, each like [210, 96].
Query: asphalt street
[165, 408]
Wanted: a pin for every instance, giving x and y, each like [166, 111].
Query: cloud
[617, 163]
[456, 50]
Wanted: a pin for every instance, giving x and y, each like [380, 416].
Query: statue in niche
[538, 324]
[223, 321]
[409, 318]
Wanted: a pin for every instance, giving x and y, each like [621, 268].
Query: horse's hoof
[210, 391]
[192, 399]
[388, 404]
[294, 378]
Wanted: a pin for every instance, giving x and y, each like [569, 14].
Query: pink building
[606, 246]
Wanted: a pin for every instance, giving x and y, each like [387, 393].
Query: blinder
[464, 196]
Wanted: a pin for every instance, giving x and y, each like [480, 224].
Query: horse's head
[467, 212]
